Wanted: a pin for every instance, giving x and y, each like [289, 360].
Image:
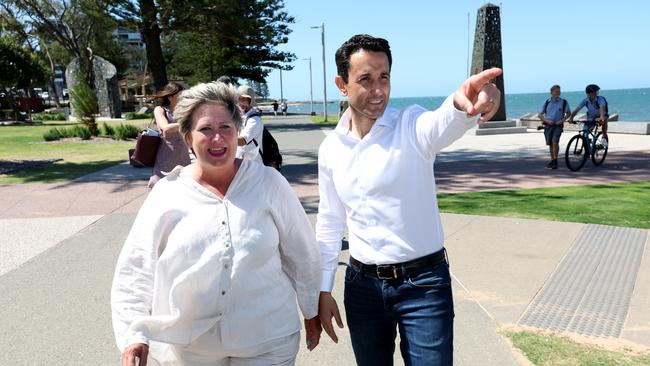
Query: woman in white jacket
[218, 254]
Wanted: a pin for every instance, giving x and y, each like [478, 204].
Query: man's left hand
[477, 95]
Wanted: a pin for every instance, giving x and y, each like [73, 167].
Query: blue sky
[571, 43]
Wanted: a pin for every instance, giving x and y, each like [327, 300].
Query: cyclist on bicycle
[597, 109]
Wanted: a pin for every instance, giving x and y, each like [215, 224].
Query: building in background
[134, 47]
[59, 82]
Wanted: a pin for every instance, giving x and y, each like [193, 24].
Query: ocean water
[630, 104]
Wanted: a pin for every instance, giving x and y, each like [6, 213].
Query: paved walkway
[60, 243]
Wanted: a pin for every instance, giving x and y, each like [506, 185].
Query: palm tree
[84, 101]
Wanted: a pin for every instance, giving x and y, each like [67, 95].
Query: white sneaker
[604, 143]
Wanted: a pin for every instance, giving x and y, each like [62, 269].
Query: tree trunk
[52, 83]
[29, 92]
[55, 94]
[88, 68]
[150, 32]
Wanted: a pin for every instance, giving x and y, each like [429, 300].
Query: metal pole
[324, 74]
[322, 34]
[281, 92]
[311, 89]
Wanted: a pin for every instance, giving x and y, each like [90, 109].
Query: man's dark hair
[356, 43]
[592, 88]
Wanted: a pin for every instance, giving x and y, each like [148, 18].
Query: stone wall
[106, 89]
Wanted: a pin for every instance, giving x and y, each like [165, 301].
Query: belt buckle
[384, 272]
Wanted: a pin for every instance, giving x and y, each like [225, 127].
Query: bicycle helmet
[591, 88]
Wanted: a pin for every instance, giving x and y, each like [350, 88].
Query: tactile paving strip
[590, 291]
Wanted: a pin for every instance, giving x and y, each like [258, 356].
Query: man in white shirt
[250, 136]
[375, 176]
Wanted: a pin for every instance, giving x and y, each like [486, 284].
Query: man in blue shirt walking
[553, 114]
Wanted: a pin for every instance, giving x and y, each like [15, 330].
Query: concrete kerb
[622, 127]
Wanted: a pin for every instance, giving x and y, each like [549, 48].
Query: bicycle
[588, 142]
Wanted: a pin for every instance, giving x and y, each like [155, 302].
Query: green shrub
[67, 133]
[81, 131]
[48, 116]
[84, 100]
[52, 134]
[62, 133]
[131, 131]
[120, 133]
[107, 130]
[123, 132]
[134, 115]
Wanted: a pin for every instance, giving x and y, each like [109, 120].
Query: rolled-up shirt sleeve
[438, 129]
[298, 248]
[330, 222]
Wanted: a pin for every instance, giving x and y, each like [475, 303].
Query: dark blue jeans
[421, 307]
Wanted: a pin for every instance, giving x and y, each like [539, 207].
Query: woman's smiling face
[213, 138]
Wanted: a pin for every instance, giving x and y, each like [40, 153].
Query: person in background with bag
[250, 136]
[553, 114]
[172, 150]
[220, 255]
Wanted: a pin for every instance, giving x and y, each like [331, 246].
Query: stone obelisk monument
[487, 49]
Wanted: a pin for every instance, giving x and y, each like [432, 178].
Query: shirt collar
[387, 119]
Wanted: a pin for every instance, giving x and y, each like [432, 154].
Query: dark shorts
[552, 134]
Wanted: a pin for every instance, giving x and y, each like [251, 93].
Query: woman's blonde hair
[198, 95]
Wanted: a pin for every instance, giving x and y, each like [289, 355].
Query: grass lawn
[332, 120]
[621, 204]
[79, 157]
[548, 350]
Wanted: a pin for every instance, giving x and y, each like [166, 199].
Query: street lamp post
[281, 92]
[311, 89]
[322, 36]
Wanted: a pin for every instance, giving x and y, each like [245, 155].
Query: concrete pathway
[60, 243]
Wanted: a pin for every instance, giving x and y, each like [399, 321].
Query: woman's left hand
[313, 330]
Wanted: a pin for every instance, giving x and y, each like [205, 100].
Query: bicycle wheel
[576, 153]
[600, 151]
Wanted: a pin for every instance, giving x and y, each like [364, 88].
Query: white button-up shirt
[193, 262]
[382, 186]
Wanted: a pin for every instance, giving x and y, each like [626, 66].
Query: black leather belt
[402, 270]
